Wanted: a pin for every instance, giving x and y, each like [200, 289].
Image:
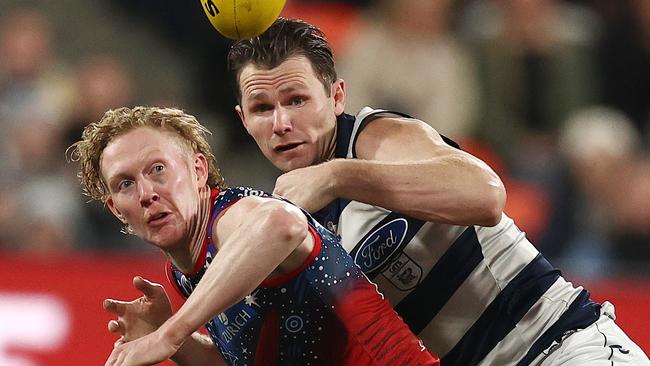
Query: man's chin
[289, 165]
[162, 240]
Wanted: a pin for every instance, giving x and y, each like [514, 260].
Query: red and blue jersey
[325, 312]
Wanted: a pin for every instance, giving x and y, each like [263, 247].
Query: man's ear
[338, 90]
[240, 113]
[201, 169]
[115, 211]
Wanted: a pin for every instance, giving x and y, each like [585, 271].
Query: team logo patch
[403, 272]
[380, 245]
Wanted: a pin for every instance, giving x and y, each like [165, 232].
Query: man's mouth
[153, 219]
[287, 147]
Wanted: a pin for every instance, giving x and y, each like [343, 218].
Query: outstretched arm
[405, 166]
[256, 237]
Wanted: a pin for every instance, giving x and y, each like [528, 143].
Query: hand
[148, 350]
[308, 187]
[142, 316]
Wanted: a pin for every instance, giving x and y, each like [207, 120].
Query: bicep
[401, 139]
[232, 217]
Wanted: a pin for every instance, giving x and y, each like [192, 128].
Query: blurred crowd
[553, 94]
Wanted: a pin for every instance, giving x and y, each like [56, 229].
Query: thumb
[278, 188]
[148, 288]
[277, 191]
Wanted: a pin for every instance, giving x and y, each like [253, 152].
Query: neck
[196, 233]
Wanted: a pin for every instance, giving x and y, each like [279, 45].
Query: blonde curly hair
[96, 136]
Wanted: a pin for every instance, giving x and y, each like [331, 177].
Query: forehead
[135, 146]
[294, 70]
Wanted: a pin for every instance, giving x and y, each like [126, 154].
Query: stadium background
[554, 94]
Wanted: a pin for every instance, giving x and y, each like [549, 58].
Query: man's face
[154, 182]
[289, 114]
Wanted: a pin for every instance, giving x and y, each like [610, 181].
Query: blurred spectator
[33, 81]
[406, 58]
[102, 82]
[44, 214]
[625, 63]
[537, 65]
[35, 95]
[599, 144]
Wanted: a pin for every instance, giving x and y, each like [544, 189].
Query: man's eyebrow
[115, 178]
[261, 95]
[287, 89]
[255, 96]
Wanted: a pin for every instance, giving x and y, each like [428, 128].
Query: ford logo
[380, 245]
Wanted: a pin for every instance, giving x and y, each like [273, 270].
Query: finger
[277, 191]
[119, 342]
[148, 288]
[116, 326]
[114, 306]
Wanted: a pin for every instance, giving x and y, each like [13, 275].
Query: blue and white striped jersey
[475, 295]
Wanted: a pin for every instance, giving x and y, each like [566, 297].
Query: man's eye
[297, 101]
[262, 108]
[124, 184]
[158, 168]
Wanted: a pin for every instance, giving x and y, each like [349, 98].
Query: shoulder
[236, 193]
[240, 201]
[379, 123]
[233, 203]
[383, 124]
[389, 133]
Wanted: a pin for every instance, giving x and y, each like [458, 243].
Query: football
[242, 19]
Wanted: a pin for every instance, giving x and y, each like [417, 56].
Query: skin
[140, 317]
[148, 188]
[156, 186]
[289, 114]
[403, 164]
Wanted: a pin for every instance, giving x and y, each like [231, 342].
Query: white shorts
[601, 344]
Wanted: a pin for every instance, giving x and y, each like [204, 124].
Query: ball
[242, 19]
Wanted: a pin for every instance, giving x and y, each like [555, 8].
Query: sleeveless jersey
[324, 313]
[475, 295]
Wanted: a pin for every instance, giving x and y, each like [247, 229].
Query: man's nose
[147, 192]
[281, 121]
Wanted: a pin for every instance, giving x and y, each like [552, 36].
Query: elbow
[493, 204]
[492, 216]
[284, 223]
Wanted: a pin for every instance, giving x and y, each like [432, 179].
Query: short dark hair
[284, 38]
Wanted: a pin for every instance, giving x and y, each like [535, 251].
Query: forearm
[198, 350]
[453, 189]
